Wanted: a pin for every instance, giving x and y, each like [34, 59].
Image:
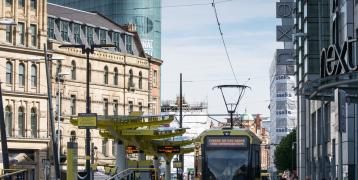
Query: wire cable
[223, 41]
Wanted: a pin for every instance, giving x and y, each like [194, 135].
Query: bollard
[72, 160]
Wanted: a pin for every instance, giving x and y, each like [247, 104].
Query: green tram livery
[227, 154]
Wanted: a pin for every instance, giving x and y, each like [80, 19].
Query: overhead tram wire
[223, 40]
[168, 6]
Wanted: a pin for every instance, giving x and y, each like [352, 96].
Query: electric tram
[227, 154]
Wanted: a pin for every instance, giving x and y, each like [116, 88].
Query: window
[34, 75]
[73, 136]
[33, 122]
[50, 28]
[90, 72]
[130, 78]
[155, 77]
[33, 33]
[104, 147]
[90, 35]
[21, 122]
[73, 70]
[9, 70]
[140, 107]
[64, 31]
[21, 33]
[9, 33]
[8, 121]
[21, 3]
[129, 44]
[115, 107]
[116, 40]
[102, 36]
[22, 74]
[77, 33]
[73, 104]
[58, 68]
[105, 75]
[105, 107]
[33, 4]
[115, 78]
[8, 2]
[130, 106]
[140, 80]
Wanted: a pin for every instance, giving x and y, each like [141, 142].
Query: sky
[191, 45]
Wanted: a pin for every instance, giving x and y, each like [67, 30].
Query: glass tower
[145, 14]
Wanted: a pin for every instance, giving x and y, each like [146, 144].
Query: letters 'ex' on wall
[336, 60]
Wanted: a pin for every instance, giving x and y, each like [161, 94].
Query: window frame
[21, 27]
[89, 34]
[102, 36]
[140, 80]
[8, 121]
[51, 28]
[33, 34]
[77, 33]
[73, 70]
[105, 107]
[34, 122]
[64, 30]
[73, 104]
[21, 3]
[21, 120]
[105, 75]
[33, 4]
[9, 72]
[8, 33]
[33, 75]
[115, 76]
[22, 74]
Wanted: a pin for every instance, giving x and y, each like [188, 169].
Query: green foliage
[284, 154]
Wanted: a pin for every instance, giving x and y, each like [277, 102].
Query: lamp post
[60, 77]
[87, 51]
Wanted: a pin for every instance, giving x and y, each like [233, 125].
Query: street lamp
[87, 50]
[60, 77]
[56, 155]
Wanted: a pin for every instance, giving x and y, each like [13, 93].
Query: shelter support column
[120, 156]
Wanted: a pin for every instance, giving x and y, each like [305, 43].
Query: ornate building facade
[122, 79]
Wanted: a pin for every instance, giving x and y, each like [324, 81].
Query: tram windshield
[229, 164]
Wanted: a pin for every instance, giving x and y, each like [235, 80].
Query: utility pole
[52, 124]
[181, 156]
[5, 151]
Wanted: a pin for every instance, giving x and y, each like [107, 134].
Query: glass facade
[146, 15]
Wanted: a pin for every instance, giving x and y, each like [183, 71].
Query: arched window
[73, 70]
[22, 74]
[105, 75]
[130, 78]
[73, 136]
[8, 121]
[9, 70]
[90, 72]
[21, 122]
[34, 75]
[140, 80]
[33, 122]
[115, 78]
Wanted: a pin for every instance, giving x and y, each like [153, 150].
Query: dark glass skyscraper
[145, 14]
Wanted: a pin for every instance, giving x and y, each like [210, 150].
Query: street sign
[169, 149]
[87, 120]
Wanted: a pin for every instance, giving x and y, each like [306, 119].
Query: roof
[89, 18]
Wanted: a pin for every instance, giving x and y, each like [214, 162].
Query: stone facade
[122, 78]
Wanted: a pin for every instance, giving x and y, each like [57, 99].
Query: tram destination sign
[169, 149]
[227, 141]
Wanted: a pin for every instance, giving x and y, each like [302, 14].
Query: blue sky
[191, 45]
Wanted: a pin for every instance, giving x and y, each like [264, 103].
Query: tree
[285, 153]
